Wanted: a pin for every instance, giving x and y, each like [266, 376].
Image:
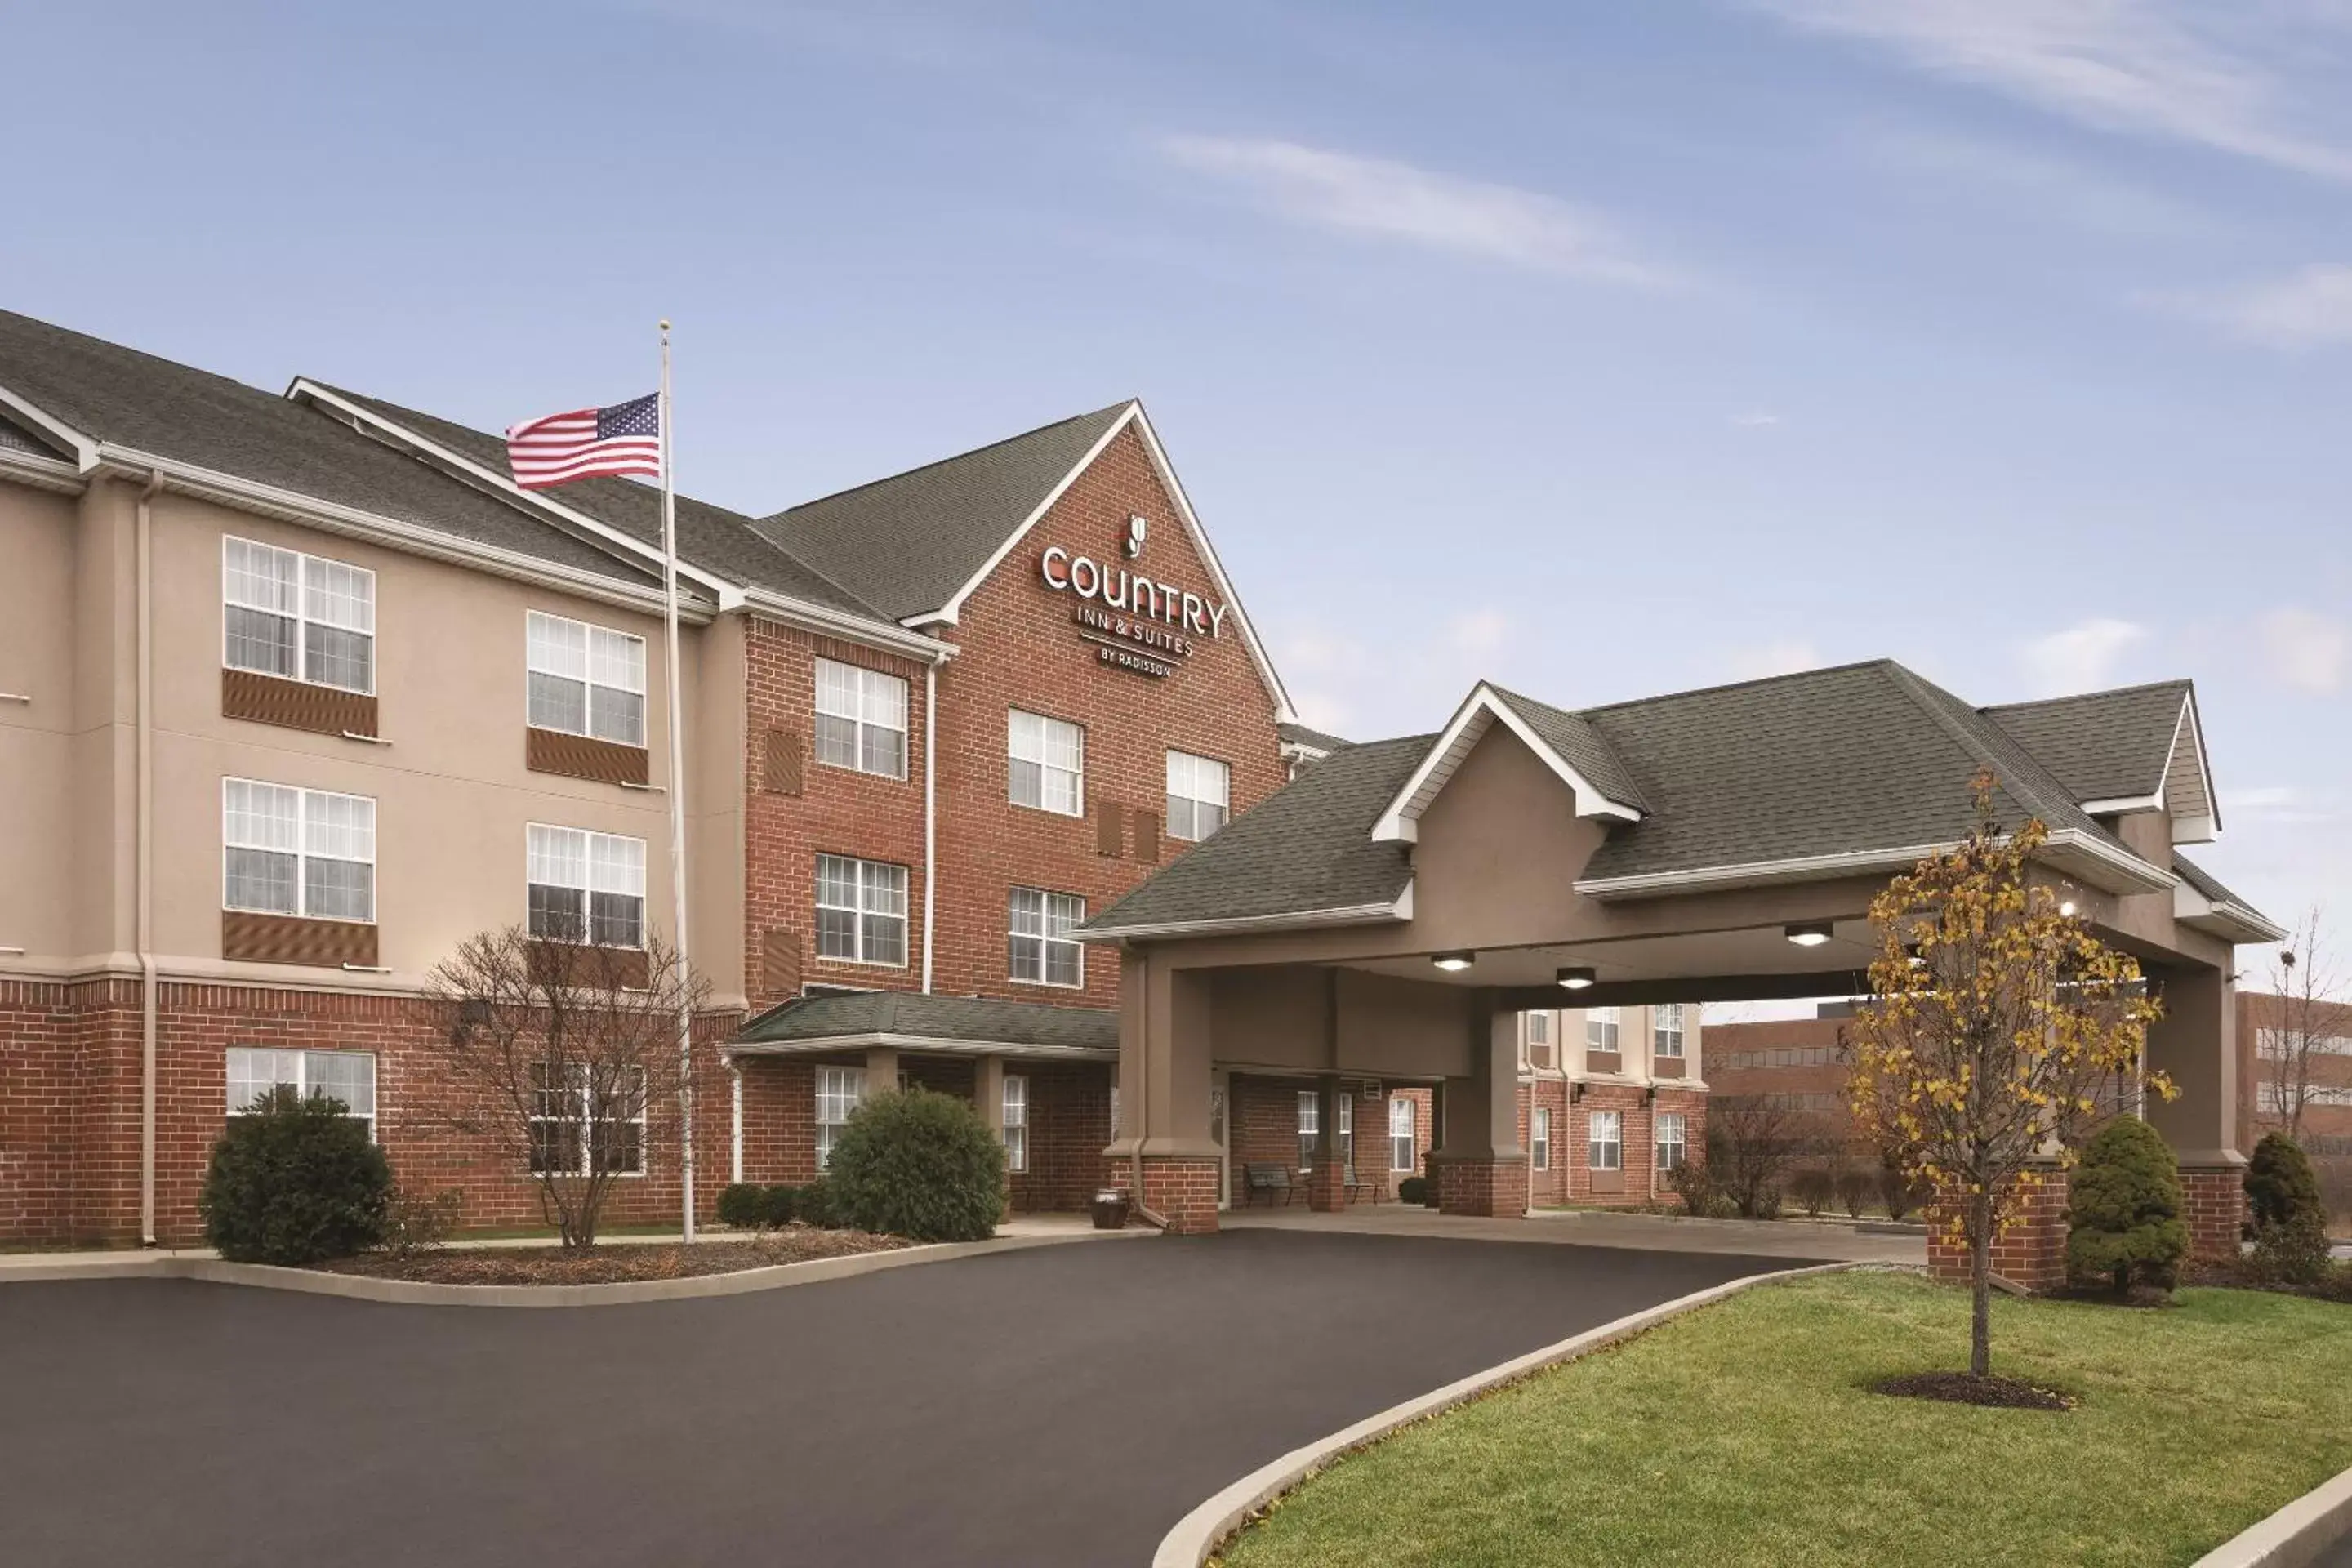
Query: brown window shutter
[783, 762]
[780, 961]
[1110, 830]
[1147, 837]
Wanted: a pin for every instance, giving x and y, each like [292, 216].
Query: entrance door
[1220, 1096]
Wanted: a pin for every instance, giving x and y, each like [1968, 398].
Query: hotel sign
[1134, 622]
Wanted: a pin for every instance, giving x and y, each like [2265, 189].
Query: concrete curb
[2294, 1536]
[419, 1293]
[1198, 1534]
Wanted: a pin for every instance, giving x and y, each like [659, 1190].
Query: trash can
[1110, 1209]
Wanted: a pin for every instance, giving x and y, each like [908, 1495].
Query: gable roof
[2104, 745]
[151, 407]
[910, 543]
[1563, 741]
[812, 1024]
[1319, 742]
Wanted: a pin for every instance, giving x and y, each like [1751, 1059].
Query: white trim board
[1462, 734]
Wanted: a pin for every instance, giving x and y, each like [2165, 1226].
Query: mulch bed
[1960, 1388]
[614, 1262]
[2243, 1276]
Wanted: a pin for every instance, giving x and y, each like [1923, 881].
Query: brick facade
[2029, 1250]
[2213, 1204]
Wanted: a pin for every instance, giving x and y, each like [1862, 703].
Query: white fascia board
[951, 613]
[306, 390]
[1400, 823]
[2224, 918]
[2104, 864]
[821, 1045]
[2122, 804]
[332, 517]
[1754, 873]
[2210, 824]
[84, 447]
[1399, 908]
[848, 627]
[38, 472]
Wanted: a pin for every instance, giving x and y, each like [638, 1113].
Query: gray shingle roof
[712, 538]
[1300, 735]
[1307, 847]
[126, 398]
[2205, 883]
[812, 1019]
[1580, 745]
[2105, 745]
[907, 544]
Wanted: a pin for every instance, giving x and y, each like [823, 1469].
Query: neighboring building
[298, 691]
[1790, 1063]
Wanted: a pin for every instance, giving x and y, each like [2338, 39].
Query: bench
[1268, 1179]
[1364, 1190]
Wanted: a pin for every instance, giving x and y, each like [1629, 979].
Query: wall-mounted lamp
[1454, 963]
[2067, 909]
[1577, 978]
[1808, 933]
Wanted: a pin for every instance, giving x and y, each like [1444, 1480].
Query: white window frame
[305, 1077]
[1404, 1152]
[609, 660]
[1057, 915]
[582, 1118]
[873, 698]
[303, 612]
[313, 811]
[1540, 1136]
[1038, 752]
[1614, 1143]
[863, 909]
[1538, 1025]
[1016, 1123]
[1310, 1126]
[1601, 1026]
[602, 870]
[1666, 1031]
[1672, 1122]
[1188, 772]
[840, 1090]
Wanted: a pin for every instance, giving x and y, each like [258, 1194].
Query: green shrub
[1814, 1189]
[1855, 1188]
[294, 1180]
[2282, 1186]
[2124, 1210]
[918, 1164]
[743, 1204]
[813, 1205]
[1414, 1190]
[779, 1205]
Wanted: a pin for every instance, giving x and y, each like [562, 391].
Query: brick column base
[2030, 1250]
[2213, 1203]
[1489, 1189]
[1181, 1189]
[1326, 1188]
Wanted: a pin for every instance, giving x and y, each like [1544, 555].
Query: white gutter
[777, 607]
[819, 1045]
[146, 866]
[931, 810]
[2131, 874]
[41, 473]
[1399, 908]
[735, 1168]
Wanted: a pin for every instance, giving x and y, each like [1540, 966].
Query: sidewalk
[1819, 1241]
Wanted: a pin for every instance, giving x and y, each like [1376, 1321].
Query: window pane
[837, 741]
[338, 594]
[837, 689]
[1061, 964]
[616, 716]
[347, 1076]
[1182, 822]
[1061, 792]
[261, 880]
[341, 826]
[1028, 780]
[558, 702]
[260, 815]
[1026, 911]
[886, 939]
[339, 890]
[557, 914]
[253, 1073]
[836, 933]
[883, 751]
[617, 920]
[616, 865]
[558, 647]
[557, 857]
[260, 577]
[885, 887]
[884, 699]
[837, 881]
[1024, 957]
[258, 640]
[616, 659]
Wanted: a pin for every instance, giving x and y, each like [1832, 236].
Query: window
[302, 617]
[1666, 1030]
[576, 1131]
[1402, 1153]
[839, 1091]
[346, 1076]
[1040, 947]
[1048, 765]
[1310, 1126]
[1114, 1110]
[861, 719]
[289, 851]
[1600, 1028]
[1345, 1134]
[586, 886]
[861, 910]
[1670, 1141]
[1016, 1123]
[1604, 1140]
[586, 681]
[1197, 793]
[1540, 1136]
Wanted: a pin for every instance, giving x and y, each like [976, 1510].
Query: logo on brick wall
[1134, 623]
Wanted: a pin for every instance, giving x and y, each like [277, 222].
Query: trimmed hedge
[2290, 1221]
[295, 1181]
[1414, 1190]
[2122, 1212]
[917, 1164]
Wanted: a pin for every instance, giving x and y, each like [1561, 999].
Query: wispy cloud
[2310, 307]
[2307, 651]
[2139, 67]
[2054, 189]
[1755, 420]
[1784, 655]
[1480, 632]
[2082, 657]
[1380, 199]
[2280, 803]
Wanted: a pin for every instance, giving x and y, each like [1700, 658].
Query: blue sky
[1602, 349]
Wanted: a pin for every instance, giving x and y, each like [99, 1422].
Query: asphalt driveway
[1062, 1405]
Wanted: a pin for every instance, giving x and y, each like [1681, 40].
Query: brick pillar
[1327, 1190]
[2030, 1250]
[2213, 1203]
[1180, 1189]
[1487, 1189]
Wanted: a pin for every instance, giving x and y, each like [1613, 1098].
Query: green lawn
[1744, 1434]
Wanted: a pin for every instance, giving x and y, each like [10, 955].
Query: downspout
[735, 1167]
[930, 809]
[146, 860]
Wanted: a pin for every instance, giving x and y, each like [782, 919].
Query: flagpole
[677, 807]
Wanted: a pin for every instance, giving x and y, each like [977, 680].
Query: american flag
[622, 439]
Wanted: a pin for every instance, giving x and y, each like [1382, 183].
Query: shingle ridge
[1925, 692]
[2179, 682]
[942, 462]
[1786, 678]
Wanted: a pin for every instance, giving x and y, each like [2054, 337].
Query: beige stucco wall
[38, 754]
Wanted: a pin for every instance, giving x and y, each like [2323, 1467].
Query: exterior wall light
[1806, 933]
[1577, 978]
[1452, 963]
[2067, 909]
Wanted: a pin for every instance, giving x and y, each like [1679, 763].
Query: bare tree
[557, 1052]
[2303, 1024]
[1752, 1140]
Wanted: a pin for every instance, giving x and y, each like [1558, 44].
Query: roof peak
[2181, 682]
[1119, 407]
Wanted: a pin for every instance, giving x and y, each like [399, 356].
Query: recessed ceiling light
[1808, 933]
[2067, 909]
[1454, 963]
[1577, 978]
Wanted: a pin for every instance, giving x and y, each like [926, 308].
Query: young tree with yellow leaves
[1997, 1021]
